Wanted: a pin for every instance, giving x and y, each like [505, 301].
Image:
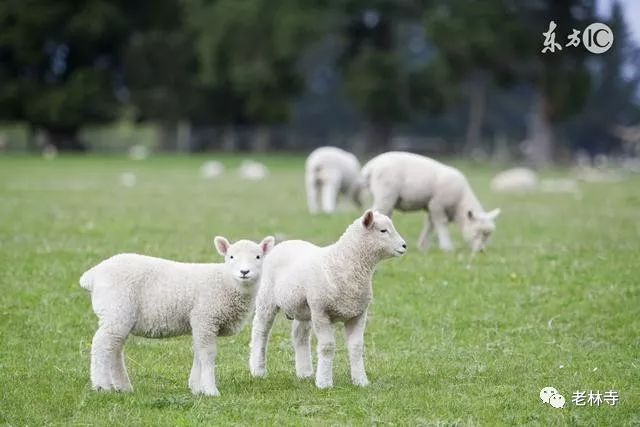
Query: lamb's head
[478, 228]
[380, 236]
[243, 259]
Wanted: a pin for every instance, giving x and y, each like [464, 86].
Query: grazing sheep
[410, 182]
[559, 185]
[252, 170]
[330, 172]
[49, 152]
[156, 298]
[595, 175]
[211, 169]
[128, 179]
[319, 286]
[138, 152]
[516, 180]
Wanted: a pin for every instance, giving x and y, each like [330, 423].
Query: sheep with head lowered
[410, 182]
[157, 298]
[329, 173]
[317, 287]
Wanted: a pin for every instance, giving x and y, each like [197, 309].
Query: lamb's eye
[383, 231]
[257, 256]
[231, 256]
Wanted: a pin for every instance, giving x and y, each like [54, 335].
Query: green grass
[554, 302]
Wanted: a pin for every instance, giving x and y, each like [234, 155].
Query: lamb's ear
[267, 244]
[470, 215]
[493, 214]
[367, 219]
[222, 245]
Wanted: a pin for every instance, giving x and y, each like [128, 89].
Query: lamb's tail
[86, 280]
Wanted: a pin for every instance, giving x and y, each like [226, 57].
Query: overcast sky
[631, 14]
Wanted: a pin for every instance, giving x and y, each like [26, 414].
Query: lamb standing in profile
[330, 172]
[319, 286]
[409, 182]
[157, 298]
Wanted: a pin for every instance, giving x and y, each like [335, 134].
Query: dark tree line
[229, 63]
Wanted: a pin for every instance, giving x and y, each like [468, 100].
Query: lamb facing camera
[157, 298]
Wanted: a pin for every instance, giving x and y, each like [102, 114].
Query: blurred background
[455, 78]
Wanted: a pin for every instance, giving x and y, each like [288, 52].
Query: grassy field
[554, 302]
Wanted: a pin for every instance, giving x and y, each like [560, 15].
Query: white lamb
[329, 173]
[409, 182]
[515, 180]
[156, 298]
[319, 286]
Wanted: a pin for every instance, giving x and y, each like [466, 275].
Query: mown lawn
[554, 302]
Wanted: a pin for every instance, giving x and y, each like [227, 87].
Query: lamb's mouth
[400, 252]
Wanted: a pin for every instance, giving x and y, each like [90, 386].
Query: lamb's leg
[329, 196]
[204, 344]
[194, 378]
[312, 194]
[262, 323]
[354, 331]
[102, 357]
[356, 195]
[425, 235]
[119, 375]
[441, 223]
[301, 337]
[384, 196]
[384, 202]
[325, 332]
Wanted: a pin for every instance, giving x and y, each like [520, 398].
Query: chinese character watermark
[551, 396]
[582, 398]
[550, 44]
[574, 38]
[596, 38]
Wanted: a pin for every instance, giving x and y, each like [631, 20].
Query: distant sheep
[128, 179]
[409, 182]
[329, 173]
[211, 169]
[559, 185]
[49, 152]
[138, 152]
[157, 298]
[595, 175]
[253, 171]
[516, 180]
[319, 286]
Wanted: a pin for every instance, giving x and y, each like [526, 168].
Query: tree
[161, 71]
[375, 74]
[561, 79]
[248, 50]
[59, 63]
[479, 42]
[613, 99]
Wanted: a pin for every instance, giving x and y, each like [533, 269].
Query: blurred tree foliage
[613, 97]
[235, 63]
[59, 63]
[501, 41]
[249, 49]
[479, 42]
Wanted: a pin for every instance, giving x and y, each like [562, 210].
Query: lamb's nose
[404, 245]
[244, 272]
